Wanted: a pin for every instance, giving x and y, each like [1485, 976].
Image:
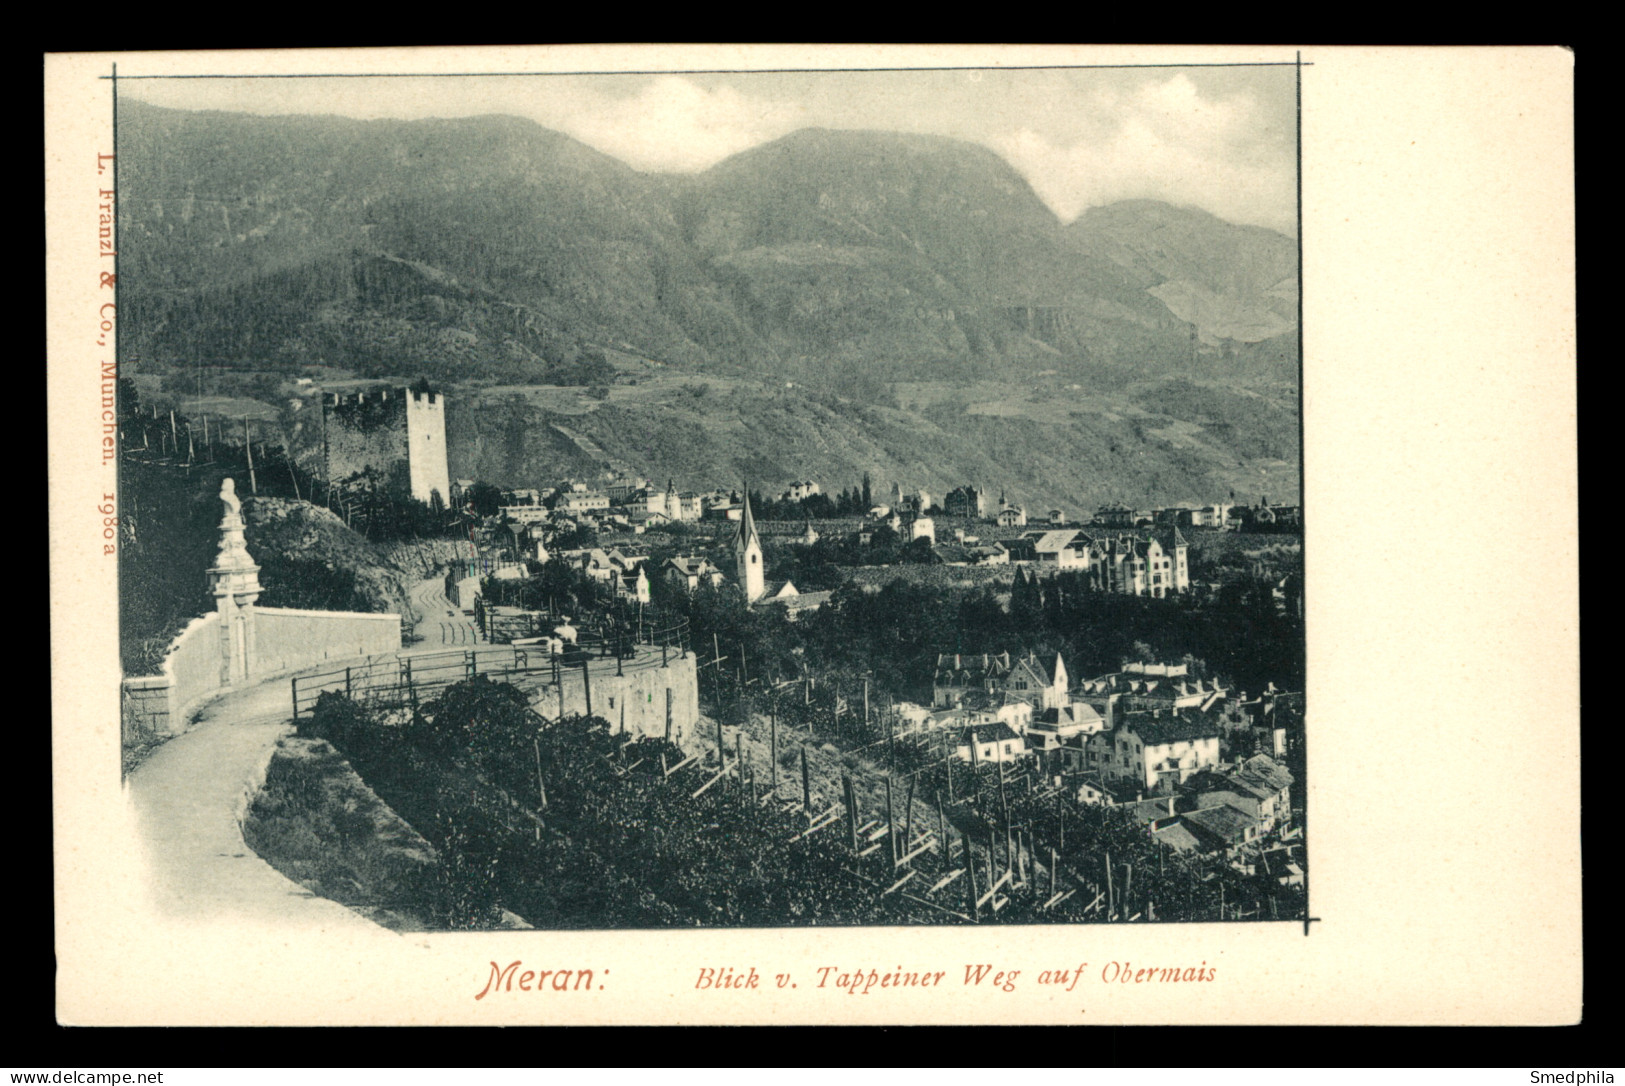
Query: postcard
[817, 534]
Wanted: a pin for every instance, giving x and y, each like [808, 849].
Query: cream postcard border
[1442, 595]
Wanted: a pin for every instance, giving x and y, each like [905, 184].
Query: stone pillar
[234, 580]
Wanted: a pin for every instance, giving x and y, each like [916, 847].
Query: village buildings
[965, 501]
[1042, 682]
[1152, 751]
[801, 491]
[689, 573]
[577, 502]
[989, 744]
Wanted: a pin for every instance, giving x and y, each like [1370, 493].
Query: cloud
[671, 123]
[1165, 141]
[1218, 140]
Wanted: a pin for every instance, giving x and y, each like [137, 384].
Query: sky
[1221, 139]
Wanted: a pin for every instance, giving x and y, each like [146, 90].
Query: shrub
[335, 718]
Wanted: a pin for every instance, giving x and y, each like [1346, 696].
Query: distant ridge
[892, 250]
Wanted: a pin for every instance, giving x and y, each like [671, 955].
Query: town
[977, 691]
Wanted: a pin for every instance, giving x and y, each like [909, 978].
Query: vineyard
[802, 806]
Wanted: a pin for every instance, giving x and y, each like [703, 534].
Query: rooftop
[1223, 822]
[994, 731]
[1264, 772]
[1177, 837]
[1182, 728]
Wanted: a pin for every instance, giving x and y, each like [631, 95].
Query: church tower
[748, 555]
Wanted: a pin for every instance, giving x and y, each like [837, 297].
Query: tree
[485, 499]
[920, 552]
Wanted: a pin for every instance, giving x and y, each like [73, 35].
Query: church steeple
[748, 554]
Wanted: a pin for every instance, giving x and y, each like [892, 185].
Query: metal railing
[386, 682]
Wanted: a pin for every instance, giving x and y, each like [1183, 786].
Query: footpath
[188, 801]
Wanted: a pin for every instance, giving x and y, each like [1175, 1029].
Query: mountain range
[491, 252]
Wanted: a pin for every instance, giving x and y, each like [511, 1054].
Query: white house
[995, 742]
[689, 572]
[1062, 549]
[1157, 752]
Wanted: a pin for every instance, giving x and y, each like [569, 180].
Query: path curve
[187, 802]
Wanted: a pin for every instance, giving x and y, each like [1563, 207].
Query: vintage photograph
[714, 499]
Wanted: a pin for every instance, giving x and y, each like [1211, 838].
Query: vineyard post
[975, 769]
[1004, 808]
[541, 787]
[1111, 897]
[970, 878]
[739, 758]
[773, 748]
[908, 819]
[851, 812]
[942, 827]
[806, 785]
[891, 824]
[992, 843]
[586, 682]
[668, 714]
[248, 446]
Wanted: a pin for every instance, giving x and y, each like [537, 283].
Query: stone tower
[234, 581]
[748, 555]
[398, 432]
[426, 446]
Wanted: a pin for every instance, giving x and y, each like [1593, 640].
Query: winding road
[441, 625]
